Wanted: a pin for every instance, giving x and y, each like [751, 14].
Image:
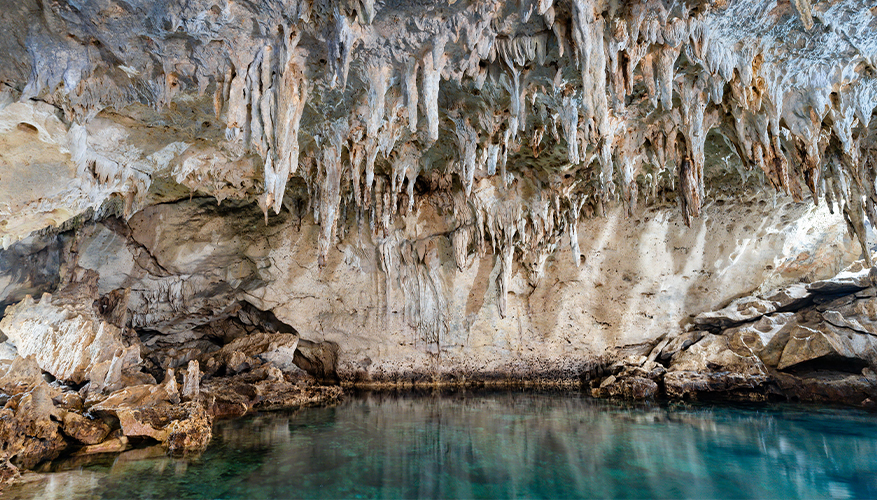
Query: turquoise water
[522, 445]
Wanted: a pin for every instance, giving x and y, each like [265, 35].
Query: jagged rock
[191, 381]
[68, 339]
[156, 412]
[748, 309]
[115, 443]
[628, 388]
[739, 311]
[141, 396]
[246, 352]
[29, 432]
[753, 338]
[679, 343]
[29, 267]
[710, 366]
[8, 472]
[319, 359]
[70, 401]
[859, 315]
[8, 352]
[844, 283]
[828, 344]
[488, 185]
[191, 433]
[82, 429]
[22, 374]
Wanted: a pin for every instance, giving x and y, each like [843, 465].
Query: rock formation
[222, 206]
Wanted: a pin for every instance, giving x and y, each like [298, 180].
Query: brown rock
[85, 430]
[116, 443]
[192, 433]
[28, 433]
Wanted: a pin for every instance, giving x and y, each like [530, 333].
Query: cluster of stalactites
[594, 117]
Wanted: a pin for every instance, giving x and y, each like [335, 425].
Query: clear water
[496, 445]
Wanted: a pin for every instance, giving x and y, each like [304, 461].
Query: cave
[212, 211]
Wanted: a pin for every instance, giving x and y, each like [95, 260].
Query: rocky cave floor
[804, 343]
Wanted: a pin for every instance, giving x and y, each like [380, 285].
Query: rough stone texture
[68, 338]
[442, 190]
[623, 193]
[28, 432]
[799, 355]
[84, 430]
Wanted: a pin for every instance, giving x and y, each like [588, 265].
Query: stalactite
[432, 66]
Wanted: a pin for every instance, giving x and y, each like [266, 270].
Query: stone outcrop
[69, 339]
[822, 349]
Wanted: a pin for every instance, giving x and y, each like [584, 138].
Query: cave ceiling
[515, 118]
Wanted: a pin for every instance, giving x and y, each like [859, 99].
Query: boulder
[246, 352]
[827, 346]
[636, 388]
[319, 359]
[85, 430]
[711, 366]
[29, 432]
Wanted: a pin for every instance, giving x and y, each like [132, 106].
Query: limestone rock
[843, 283]
[191, 381]
[245, 352]
[28, 431]
[319, 359]
[859, 315]
[83, 429]
[829, 344]
[69, 341]
[116, 443]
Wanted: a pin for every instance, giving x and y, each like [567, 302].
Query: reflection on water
[533, 445]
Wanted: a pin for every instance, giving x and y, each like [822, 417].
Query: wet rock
[636, 388]
[825, 386]
[192, 431]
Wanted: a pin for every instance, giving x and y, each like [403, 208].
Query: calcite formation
[271, 195]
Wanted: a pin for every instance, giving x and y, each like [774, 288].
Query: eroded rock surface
[223, 206]
[817, 351]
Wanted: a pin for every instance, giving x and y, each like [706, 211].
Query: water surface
[508, 444]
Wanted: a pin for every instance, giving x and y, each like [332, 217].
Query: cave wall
[440, 188]
[406, 312]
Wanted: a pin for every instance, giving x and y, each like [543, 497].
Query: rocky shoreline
[76, 381]
[813, 342]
